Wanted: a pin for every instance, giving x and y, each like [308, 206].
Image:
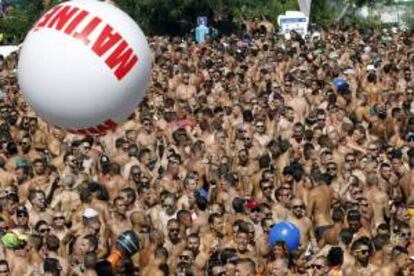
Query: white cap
[89, 213]
[288, 36]
[349, 71]
[316, 35]
[370, 67]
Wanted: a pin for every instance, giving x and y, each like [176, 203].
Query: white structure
[293, 21]
[6, 50]
[305, 6]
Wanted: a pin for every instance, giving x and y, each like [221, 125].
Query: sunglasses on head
[184, 257]
[362, 251]
[176, 230]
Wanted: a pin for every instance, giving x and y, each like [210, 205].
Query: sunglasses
[317, 266]
[174, 230]
[44, 230]
[265, 188]
[184, 257]
[59, 218]
[22, 215]
[404, 234]
[298, 207]
[362, 251]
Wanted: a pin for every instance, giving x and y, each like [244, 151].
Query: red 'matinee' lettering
[122, 59]
[84, 34]
[110, 124]
[93, 130]
[106, 40]
[75, 22]
[45, 19]
[99, 129]
[62, 17]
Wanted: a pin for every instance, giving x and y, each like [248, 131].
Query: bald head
[372, 179]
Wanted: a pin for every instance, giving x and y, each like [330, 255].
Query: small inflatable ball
[84, 66]
[340, 84]
[287, 232]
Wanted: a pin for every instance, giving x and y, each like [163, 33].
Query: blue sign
[293, 20]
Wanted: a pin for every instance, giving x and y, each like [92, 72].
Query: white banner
[293, 21]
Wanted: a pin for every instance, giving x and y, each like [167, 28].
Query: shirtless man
[38, 208]
[185, 90]
[245, 169]
[52, 246]
[114, 183]
[303, 223]
[168, 211]
[66, 199]
[280, 210]
[407, 181]
[286, 123]
[378, 199]
[147, 135]
[19, 261]
[118, 220]
[361, 252]
[319, 207]
[6, 178]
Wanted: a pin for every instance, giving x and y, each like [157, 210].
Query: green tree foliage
[162, 16]
[156, 16]
[19, 20]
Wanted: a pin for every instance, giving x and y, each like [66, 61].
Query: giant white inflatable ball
[84, 66]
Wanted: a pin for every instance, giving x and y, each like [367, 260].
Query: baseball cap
[251, 204]
[371, 67]
[89, 213]
[353, 215]
[21, 163]
[409, 136]
[22, 210]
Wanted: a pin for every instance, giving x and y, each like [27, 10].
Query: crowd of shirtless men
[235, 135]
